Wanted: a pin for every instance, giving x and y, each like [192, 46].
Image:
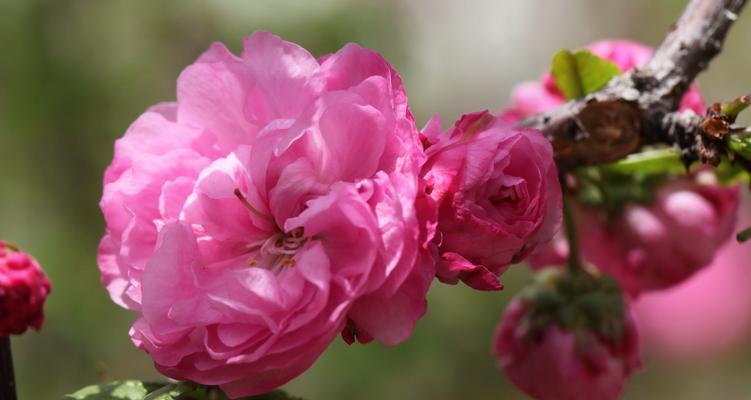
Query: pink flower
[530, 98]
[655, 246]
[498, 196]
[559, 364]
[716, 299]
[23, 289]
[267, 210]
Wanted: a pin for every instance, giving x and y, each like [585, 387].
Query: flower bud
[23, 289]
[569, 336]
[654, 245]
[498, 197]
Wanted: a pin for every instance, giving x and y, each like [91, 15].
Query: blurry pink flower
[267, 210]
[498, 196]
[655, 246]
[530, 98]
[557, 364]
[710, 313]
[23, 289]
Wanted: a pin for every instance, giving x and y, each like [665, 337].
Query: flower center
[506, 195]
[279, 249]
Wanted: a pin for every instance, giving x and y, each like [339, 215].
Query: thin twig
[7, 379]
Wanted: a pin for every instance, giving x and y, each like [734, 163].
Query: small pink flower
[497, 193]
[650, 247]
[655, 246]
[23, 289]
[271, 208]
[553, 363]
[530, 98]
[716, 299]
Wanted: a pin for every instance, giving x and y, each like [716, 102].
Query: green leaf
[138, 390]
[659, 160]
[566, 75]
[578, 74]
[118, 390]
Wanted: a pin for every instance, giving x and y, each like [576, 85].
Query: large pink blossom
[23, 290]
[530, 98]
[267, 210]
[560, 364]
[497, 193]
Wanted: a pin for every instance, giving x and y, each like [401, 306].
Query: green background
[74, 74]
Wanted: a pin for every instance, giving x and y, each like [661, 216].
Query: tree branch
[639, 107]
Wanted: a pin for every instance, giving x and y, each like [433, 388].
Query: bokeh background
[74, 74]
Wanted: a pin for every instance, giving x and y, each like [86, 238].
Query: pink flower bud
[554, 363]
[498, 196]
[23, 289]
[658, 245]
[716, 299]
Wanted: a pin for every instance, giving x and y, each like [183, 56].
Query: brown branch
[639, 107]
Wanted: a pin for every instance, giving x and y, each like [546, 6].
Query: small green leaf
[578, 74]
[566, 75]
[659, 160]
[137, 390]
[118, 390]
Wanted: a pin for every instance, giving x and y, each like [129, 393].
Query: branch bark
[639, 107]
[7, 380]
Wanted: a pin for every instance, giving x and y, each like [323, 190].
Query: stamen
[252, 262]
[250, 207]
[289, 262]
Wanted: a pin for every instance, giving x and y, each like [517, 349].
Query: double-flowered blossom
[269, 209]
[497, 193]
[23, 289]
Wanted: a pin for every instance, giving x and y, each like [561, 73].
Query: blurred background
[74, 74]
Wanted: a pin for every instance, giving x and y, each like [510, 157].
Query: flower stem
[574, 262]
[7, 380]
